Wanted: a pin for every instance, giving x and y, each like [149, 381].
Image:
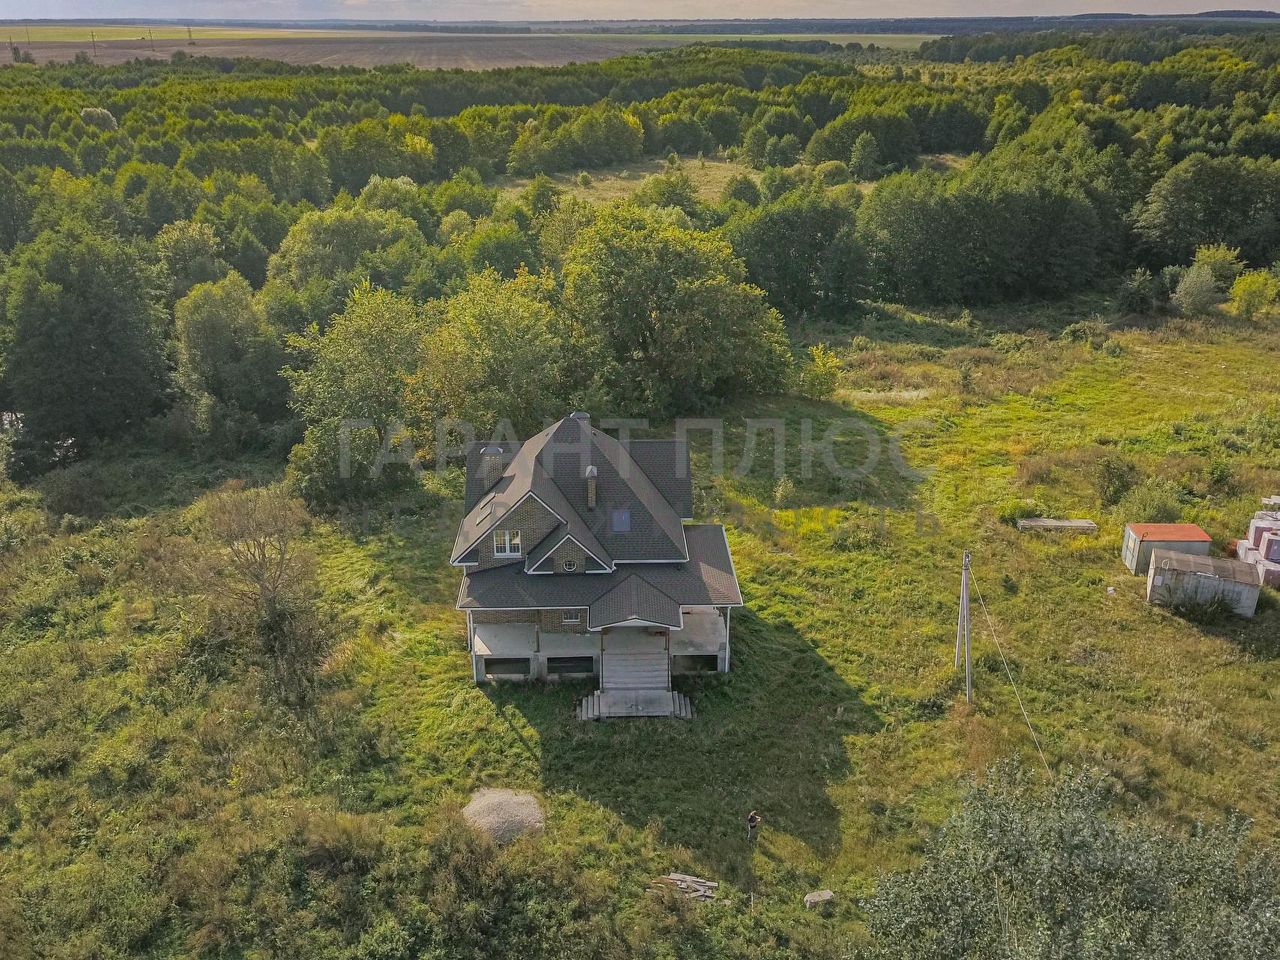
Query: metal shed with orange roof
[1142, 538]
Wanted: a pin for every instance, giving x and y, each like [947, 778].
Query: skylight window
[620, 520]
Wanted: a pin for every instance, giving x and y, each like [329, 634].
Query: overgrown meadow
[236, 713]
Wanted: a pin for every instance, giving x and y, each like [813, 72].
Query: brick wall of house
[553, 622]
[532, 519]
[505, 616]
[569, 550]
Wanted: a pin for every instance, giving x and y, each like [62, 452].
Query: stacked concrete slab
[1262, 546]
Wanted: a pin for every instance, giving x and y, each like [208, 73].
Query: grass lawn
[709, 175]
[842, 721]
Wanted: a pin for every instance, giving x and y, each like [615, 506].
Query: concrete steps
[604, 704]
[635, 671]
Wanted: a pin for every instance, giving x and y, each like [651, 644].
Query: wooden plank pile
[1262, 545]
[695, 888]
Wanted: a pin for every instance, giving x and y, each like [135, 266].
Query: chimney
[490, 466]
[591, 487]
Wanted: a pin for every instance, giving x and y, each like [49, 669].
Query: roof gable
[552, 466]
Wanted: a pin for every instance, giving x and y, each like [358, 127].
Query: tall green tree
[494, 351]
[227, 351]
[16, 205]
[85, 360]
[1204, 200]
[663, 318]
[189, 253]
[800, 249]
[350, 393]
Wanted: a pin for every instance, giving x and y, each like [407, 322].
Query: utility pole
[94, 41]
[963, 632]
[152, 38]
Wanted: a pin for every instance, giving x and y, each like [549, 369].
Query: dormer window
[506, 543]
[620, 520]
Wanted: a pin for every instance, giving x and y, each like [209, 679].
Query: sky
[592, 9]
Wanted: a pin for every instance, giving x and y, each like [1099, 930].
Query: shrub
[1054, 864]
[783, 491]
[1223, 262]
[1092, 331]
[1139, 292]
[820, 376]
[832, 172]
[741, 187]
[1252, 292]
[1113, 477]
[1197, 292]
[1014, 509]
[1155, 500]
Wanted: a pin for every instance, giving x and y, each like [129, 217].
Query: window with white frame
[571, 616]
[569, 565]
[506, 543]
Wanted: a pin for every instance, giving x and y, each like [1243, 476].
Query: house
[1180, 579]
[1140, 539]
[579, 560]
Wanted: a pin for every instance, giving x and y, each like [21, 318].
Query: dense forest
[225, 264]
[225, 212]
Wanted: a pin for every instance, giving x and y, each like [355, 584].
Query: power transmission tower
[963, 631]
[94, 41]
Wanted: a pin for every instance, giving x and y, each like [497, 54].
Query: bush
[1139, 292]
[1252, 292]
[832, 172]
[1054, 864]
[1155, 500]
[1093, 332]
[820, 376]
[741, 187]
[1223, 262]
[1014, 509]
[1197, 292]
[1113, 477]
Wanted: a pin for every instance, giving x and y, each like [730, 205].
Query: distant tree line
[177, 240]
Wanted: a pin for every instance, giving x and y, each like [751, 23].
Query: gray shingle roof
[634, 599]
[552, 466]
[667, 464]
[653, 592]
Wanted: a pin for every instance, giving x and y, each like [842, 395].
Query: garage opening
[559, 666]
[506, 666]
[695, 663]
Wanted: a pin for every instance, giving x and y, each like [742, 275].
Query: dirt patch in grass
[504, 815]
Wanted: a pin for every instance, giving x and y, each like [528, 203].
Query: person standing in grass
[753, 825]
